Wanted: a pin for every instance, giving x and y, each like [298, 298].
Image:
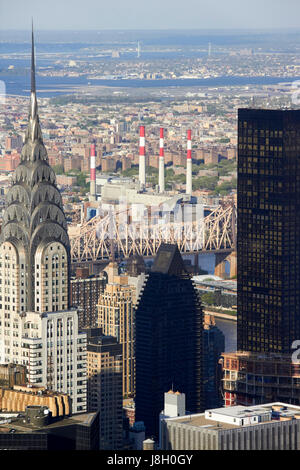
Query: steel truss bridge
[115, 233]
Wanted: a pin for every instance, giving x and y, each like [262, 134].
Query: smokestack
[161, 170]
[142, 160]
[189, 163]
[93, 174]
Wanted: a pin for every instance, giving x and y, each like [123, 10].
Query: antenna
[209, 49]
[33, 87]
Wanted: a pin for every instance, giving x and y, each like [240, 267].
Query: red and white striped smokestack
[161, 167]
[142, 159]
[93, 173]
[189, 163]
[161, 142]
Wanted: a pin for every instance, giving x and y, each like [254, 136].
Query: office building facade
[116, 317]
[104, 369]
[213, 347]
[268, 241]
[169, 334]
[85, 290]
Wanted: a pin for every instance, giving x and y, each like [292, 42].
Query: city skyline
[149, 246]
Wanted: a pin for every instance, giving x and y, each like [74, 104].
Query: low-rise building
[36, 429]
[17, 398]
[271, 426]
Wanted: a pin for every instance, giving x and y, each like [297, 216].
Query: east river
[228, 327]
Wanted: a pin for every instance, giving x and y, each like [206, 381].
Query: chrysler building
[38, 328]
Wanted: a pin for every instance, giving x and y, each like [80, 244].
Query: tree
[208, 298]
[59, 169]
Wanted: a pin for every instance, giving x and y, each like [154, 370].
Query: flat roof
[16, 423]
[215, 283]
[199, 420]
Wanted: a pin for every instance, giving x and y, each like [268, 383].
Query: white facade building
[37, 327]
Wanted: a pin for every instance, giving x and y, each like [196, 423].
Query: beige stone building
[38, 328]
[19, 397]
[116, 318]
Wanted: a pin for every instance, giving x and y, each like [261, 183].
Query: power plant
[93, 196]
[161, 170]
[189, 163]
[142, 159]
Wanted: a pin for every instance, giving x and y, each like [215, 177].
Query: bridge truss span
[116, 231]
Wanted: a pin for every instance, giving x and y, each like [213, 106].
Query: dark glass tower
[168, 339]
[268, 235]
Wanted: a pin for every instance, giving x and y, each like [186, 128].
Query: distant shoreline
[56, 86]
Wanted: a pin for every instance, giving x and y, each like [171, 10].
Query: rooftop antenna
[33, 132]
[209, 49]
[33, 87]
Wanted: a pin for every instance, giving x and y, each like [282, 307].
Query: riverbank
[217, 314]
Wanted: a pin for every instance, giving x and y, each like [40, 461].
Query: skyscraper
[85, 290]
[104, 368]
[37, 327]
[116, 318]
[213, 347]
[268, 235]
[168, 339]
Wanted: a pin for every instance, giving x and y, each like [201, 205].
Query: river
[50, 86]
[228, 327]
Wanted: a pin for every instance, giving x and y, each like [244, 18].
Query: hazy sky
[149, 14]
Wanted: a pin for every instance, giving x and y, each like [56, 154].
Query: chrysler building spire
[37, 326]
[34, 217]
[33, 90]
[33, 133]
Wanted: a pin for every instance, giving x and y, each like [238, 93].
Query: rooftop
[259, 356]
[214, 282]
[16, 422]
[239, 416]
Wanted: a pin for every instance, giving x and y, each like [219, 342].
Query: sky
[149, 14]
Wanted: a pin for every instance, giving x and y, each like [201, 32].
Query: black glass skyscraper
[168, 339]
[268, 236]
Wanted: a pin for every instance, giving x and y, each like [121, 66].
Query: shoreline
[224, 316]
[57, 86]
